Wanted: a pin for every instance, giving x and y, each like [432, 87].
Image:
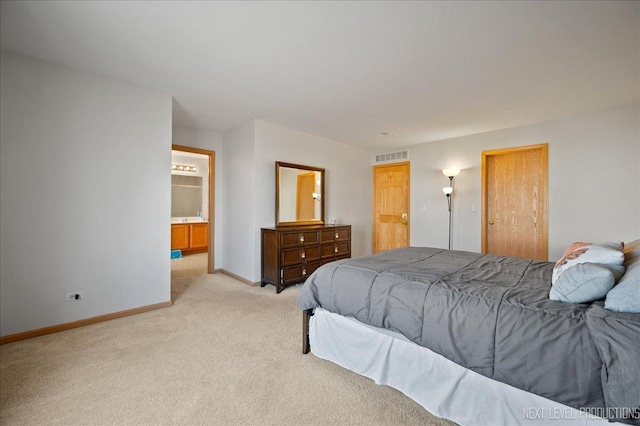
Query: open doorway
[192, 207]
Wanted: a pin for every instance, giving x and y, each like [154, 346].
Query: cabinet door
[199, 235]
[179, 237]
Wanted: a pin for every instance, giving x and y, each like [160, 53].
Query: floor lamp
[448, 191]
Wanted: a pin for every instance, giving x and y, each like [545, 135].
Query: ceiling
[349, 71]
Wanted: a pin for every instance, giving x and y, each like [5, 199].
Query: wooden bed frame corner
[306, 315]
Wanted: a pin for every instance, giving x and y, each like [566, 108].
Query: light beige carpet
[224, 354]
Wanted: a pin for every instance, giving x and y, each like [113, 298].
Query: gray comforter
[491, 314]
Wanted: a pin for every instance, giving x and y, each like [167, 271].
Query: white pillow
[609, 254]
[582, 283]
[625, 296]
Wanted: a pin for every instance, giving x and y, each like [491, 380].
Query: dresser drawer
[336, 234]
[298, 273]
[333, 259]
[300, 254]
[336, 249]
[299, 238]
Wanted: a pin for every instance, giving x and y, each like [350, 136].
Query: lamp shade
[447, 190]
[451, 172]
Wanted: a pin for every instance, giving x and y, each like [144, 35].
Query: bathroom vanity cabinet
[190, 237]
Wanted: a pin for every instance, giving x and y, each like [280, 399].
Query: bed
[476, 322]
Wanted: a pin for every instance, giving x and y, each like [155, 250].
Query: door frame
[544, 147]
[373, 201]
[211, 195]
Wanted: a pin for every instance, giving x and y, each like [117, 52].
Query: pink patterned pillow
[608, 254]
[571, 248]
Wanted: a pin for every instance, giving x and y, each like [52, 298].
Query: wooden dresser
[291, 254]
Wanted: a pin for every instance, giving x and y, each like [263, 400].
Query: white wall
[238, 211]
[347, 179]
[84, 194]
[197, 138]
[594, 180]
[251, 151]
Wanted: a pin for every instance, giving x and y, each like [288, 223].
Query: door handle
[490, 222]
[404, 218]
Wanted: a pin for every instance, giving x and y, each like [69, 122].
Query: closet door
[515, 202]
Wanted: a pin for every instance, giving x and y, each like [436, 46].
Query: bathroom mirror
[299, 195]
[186, 196]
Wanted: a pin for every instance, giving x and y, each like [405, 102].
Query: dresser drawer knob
[337, 236]
[304, 271]
[335, 249]
[303, 255]
[302, 238]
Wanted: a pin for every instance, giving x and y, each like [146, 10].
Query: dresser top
[305, 228]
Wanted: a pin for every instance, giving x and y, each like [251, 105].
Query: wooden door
[390, 206]
[305, 203]
[515, 202]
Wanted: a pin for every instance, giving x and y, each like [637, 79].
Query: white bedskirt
[441, 386]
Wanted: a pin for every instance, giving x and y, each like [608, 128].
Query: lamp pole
[449, 202]
[448, 191]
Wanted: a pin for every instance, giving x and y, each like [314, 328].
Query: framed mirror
[299, 195]
[186, 196]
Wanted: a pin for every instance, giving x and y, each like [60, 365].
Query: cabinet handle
[302, 238]
[303, 255]
[304, 271]
[335, 249]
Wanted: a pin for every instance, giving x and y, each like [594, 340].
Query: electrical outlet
[71, 297]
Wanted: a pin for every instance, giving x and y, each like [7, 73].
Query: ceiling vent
[392, 156]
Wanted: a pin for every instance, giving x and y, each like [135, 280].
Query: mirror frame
[279, 165]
